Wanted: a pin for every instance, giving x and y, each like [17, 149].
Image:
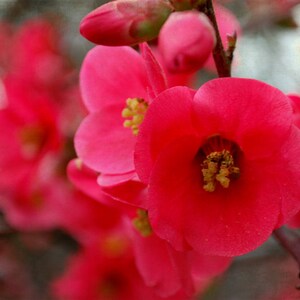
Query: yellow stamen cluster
[141, 223]
[218, 167]
[134, 113]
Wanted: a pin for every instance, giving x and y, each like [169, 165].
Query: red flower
[222, 166]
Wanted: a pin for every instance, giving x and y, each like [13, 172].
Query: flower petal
[110, 75]
[104, 144]
[167, 117]
[251, 113]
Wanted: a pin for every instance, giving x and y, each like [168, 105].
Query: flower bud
[186, 41]
[125, 22]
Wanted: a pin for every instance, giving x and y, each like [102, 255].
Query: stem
[290, 240]
[222, 60]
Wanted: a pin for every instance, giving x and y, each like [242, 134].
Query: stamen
[218, 167]
[141, 223]
[134, 112]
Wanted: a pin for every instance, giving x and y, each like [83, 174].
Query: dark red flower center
[111, 286]
[219, 162]
[33, 139]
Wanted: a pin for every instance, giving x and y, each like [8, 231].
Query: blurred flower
[174, 273]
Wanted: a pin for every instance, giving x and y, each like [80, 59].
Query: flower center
[32, 139]
[114, 245]
[111, 286]
[134, 113]
[219, 163]
[141, 223]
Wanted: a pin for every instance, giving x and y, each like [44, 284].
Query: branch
[290, 240]
[221, 57]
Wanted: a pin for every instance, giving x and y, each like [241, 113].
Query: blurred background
[268, 49]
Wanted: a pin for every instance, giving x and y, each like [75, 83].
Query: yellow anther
[141, 223]
[134, 112]
[218, 167]
[126, 113]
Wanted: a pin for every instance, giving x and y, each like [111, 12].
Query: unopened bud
[125, 22]
[186, 40]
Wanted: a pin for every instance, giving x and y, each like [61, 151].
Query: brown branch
[290, 241]
[221, 57]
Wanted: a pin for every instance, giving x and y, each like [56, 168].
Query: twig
[290, 240]
[221, 57]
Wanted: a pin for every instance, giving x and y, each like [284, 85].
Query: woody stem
[290, 240]
[221, 57]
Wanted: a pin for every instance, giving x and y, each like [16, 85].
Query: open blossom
[221, 164]
[125, 22]
[105, 139]
[186, 40]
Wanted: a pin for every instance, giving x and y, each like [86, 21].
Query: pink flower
[186, 40]
[221, 165]
[29, 132]
[125, 22]
[116, 89]
[103, 271]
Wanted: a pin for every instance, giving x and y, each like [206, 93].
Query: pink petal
[110, 75]
[132, 192]
[156, 75]
[167, 117]
[255, 115]
[108, 180]
[285, 174]
[160, 266]
[104, 144]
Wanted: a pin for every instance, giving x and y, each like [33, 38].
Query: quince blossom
[221, 164]
[106, 138]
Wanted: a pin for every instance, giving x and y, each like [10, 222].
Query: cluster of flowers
[170, 182]
[196, 176]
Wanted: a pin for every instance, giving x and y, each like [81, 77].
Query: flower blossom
[221, 165]
[106, 138]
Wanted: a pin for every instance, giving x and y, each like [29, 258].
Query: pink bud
[125, 22]
[186, 41]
